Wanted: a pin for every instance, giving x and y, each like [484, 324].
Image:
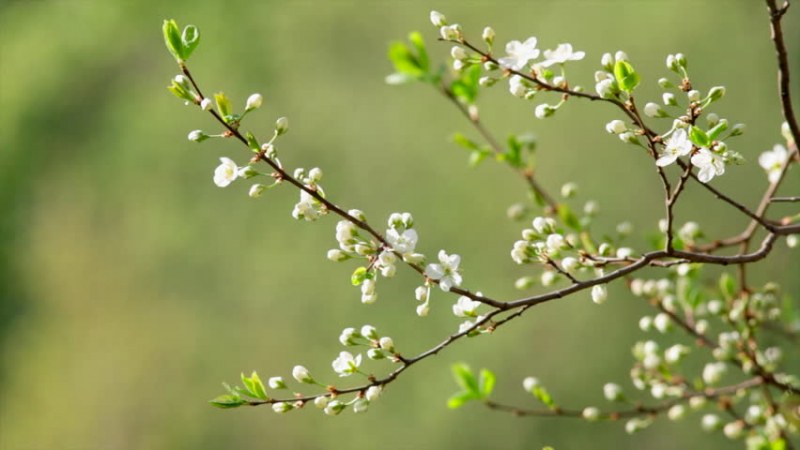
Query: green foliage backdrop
[131, 285]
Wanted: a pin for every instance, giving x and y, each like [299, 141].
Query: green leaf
[254, 386]
[568, 217]
[180, 92]
[252, 142]
[487, 382]
[778, 444]
[543, 396]
[359, 275]
[699, 137]
[717, 130]
[458, 400]
[190, 40]
[626, 76]
[422, 54]
[223, 105]
[466, 86]
[465, 142]
[227, 401]
[172, 39]
[476, 157]
[404, 61]
[727, 286]
[465, 378]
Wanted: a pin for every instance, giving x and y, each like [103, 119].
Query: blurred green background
[132, 286]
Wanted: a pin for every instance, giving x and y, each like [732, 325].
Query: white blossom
[518, 54]
[772, 162]
[465, 307]
[561, 54]
[226, 172]
[308, 208]
[710, 165]
[404, 242]
[677, 145]
[205, 104]
[446, 272]
[346, 365]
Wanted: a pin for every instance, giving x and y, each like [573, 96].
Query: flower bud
[599, 294]
[488, 35]
[197, 136]
[253, 102]
[620, 56]
[733, 430]
[375, 354]
[710, 422]
[665, 83]
[438, 19]
[716, 93]
[206, 104]
[672, 63]
[321, 401]
[337, 255]
[544, 110]
[373, 392]
[616, 127]
[369, 332]
[654, 110]
[386, 343]
[676, 412]
[523, 283]
[450, 32]
[591, 413]
[490, 66]
[282, 126]
[607, 61]
[302, 375]
[693, 95]
[530, 383]
[282, 407]
[680, 58]
[487, 81]
[669, 99]
[334, 408]
[605, 88]
[613, 392]
[256, 190]
[276, 383]
[738, 129]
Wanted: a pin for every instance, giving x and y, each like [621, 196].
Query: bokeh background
[132, 286]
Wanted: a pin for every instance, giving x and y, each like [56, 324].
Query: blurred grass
[131, 285]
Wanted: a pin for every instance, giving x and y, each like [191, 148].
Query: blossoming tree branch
[743, 389]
